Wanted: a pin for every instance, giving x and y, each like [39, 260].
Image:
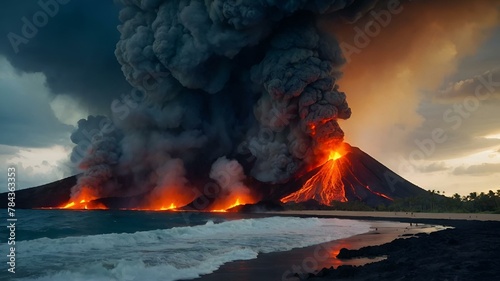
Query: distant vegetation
[431, 202]
[434, 201]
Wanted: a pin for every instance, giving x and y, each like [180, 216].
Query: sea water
[136, 245]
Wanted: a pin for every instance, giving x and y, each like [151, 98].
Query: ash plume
[211, 77]
[229, 175]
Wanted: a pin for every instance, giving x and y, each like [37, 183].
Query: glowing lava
[334, 155]
[236, 203]
[166, 198]
[166, 202]
[171, 207]
[225, 204]
[84, 201]
[333, 179]
[69, 205]
[325, 186]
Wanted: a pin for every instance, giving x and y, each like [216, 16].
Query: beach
[398, 247]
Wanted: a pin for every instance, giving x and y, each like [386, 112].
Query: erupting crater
[326, 185]
[349, 174]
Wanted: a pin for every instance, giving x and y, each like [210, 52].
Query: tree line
[435, 201]
[430, 202]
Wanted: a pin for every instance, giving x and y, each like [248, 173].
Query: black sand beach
[470, 250]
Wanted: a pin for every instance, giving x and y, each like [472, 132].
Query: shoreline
[382, 232]
[390, 251]
[468, 251]
[311, 259]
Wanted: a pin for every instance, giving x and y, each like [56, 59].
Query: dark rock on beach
[469, 251]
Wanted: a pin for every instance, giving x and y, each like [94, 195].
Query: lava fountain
[326, 185]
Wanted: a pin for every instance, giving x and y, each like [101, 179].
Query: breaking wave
[174, 253]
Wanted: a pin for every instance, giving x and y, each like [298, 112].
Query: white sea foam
[175, 253]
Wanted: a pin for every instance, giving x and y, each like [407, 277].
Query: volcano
[349, 175]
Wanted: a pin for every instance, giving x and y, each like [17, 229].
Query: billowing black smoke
[215, 81]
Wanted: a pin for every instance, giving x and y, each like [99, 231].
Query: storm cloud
[71, 42]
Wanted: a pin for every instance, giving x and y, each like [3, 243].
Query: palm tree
[491, 194]
[473, 196]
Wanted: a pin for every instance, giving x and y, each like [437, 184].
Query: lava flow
[165, 199]
[161, 202]
[170, 207]
[226, 204]
[338, 180]
[326, 185]
[84, 201]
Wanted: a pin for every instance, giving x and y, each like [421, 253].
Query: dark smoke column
[215, 74]
[300, 101]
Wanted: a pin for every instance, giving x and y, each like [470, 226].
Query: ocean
[100, 245]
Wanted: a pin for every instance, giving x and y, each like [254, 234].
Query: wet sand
[468, 251]
[284, 265]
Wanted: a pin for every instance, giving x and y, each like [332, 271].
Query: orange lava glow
[69, 205]
[325, 186]
[379, 194]
[166, 207]
[225, 204]
[170, 207]
[84, 201]
[334, 155]
[166, 199]
[236, 203]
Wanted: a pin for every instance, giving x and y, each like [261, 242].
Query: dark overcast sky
[64, 72]
[75, 49]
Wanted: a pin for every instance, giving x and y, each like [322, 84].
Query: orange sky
[392, 81]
